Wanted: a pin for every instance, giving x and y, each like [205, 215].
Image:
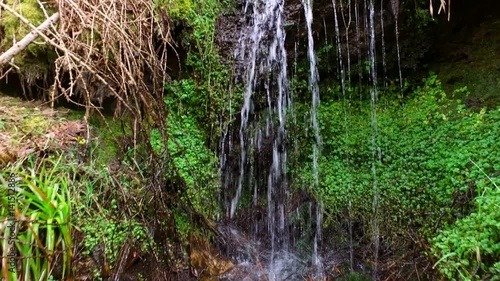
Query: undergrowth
[430, 192]
[39, 208]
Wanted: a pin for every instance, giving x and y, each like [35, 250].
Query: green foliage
[205, 90]
[43, 202]
[470, 248]
[422, 162]
[112, 234]
[106, 146]
[479, 69]
[111, 212]
[195, 103]
[421, 16]
[193, 160]
[183, 226]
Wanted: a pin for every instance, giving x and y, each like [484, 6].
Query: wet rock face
[229, 30]
[352, 19]
[206, 262]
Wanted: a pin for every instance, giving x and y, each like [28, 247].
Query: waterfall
[341, 69]
[395, 12]
[263, 143]
[382, 34]
[267, 19]
[314, 89]
[265, 60]
[259, 181]
[373, 102]
[347, 25]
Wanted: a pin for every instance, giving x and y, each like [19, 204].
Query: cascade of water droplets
[314, 89]
[265, 61]
[225, 146]
[347, 25]
[340, 61]
[266, 19]
[313, 86]
[358, 41]
[395, 12]
[382, 35]
[373, 99]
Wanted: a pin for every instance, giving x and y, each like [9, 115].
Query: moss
[75, 115]
[177, 9]
[35, 59]
[107, 146]
[105, 135]
[35, 123]
[475, 65]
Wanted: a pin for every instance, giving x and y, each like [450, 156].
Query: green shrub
[193, 160]
[423, 163]
[470, 248]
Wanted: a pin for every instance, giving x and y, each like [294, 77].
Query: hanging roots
[113, 49]
[442, 7]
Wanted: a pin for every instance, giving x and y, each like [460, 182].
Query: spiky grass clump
[42, 212]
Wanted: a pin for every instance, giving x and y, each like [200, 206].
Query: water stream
[314, 89]
[373, 99]
[395, 11]
[257, 191]
[263, 53]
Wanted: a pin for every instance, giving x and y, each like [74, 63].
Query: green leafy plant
[194, 162]
[422, 162]
[111, 235]
[470, 248]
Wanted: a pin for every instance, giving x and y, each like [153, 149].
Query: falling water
[266, 88]
[343, 89]
[382, 35]
[358, 41]
[226, 144]
[314, 89]
[340, 60]
[267, 18]
[317, 238]
[326, 42]
[395, 12]
[366, 22]
[264, 57]
[373, 99]
[347, 25]
[313, 86]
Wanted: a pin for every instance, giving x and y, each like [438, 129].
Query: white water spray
[373, 99]
[265, 60]
[314, 89]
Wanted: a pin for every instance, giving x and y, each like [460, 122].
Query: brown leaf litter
[27, 127]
